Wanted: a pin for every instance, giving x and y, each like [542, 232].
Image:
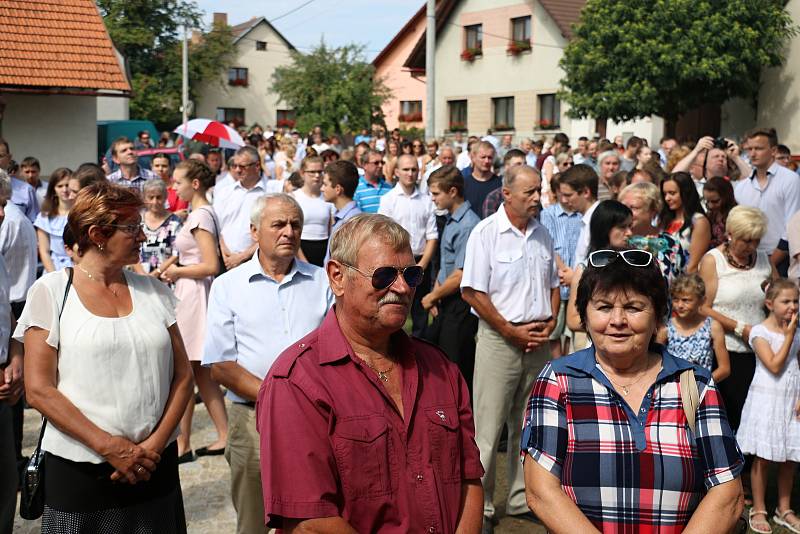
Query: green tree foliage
[334, 88]
[634, 58]
[148, 33]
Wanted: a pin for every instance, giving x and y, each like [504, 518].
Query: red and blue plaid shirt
[629, 472]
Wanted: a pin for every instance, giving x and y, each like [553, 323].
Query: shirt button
[431, 529]
[420, 478]
[301, 344]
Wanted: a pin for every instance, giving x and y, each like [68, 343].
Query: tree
[634, 58]
[334, 88]
[148, 34]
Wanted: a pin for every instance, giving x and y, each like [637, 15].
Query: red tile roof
[61, 44]
[565, 13]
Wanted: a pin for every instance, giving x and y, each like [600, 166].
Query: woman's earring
[100, 247]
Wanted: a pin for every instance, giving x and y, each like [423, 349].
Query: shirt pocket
[362, 446]
[445, 442]
[510, 266]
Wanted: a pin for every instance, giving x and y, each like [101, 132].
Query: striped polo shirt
[368, 196]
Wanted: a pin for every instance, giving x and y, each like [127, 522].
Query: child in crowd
[691, 335]
[770, 428]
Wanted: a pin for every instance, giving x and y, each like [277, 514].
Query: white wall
[113, 108]
[59, 130]
[258, 100]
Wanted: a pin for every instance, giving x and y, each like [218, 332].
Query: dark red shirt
[333, 443]
[174, 202]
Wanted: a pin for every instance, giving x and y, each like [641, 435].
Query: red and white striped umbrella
[211, 132]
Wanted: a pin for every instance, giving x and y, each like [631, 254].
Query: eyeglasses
[383, 277]
[375, 162]
[240, 166]
[130, 229]
[633, 257]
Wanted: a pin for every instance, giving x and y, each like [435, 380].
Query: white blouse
[116, 370]
[316, 215]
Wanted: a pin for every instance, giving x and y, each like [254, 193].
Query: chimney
[220, 19]
[197, 37]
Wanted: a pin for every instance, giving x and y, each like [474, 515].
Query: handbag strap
[70, 272]
[216, 230]
[690, 397]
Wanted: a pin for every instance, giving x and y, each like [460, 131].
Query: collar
[367, 183]
[333, 346]
[262, 183]
[561, 212]
[400, 191]
[773, 169]
[587, 217]
[252, 268]
[504, 224]
[584, 362]
[460, 212]
[347, 208]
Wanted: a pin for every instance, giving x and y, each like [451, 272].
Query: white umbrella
[211, 132]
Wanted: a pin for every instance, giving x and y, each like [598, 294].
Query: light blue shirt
[453, 246]
[341, 216]
[565, 228]
[24, 196]
[252, 318]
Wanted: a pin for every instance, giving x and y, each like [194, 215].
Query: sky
[372, 23]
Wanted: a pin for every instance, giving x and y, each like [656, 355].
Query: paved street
[205, 484]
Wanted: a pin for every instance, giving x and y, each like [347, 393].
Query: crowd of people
[621, 317]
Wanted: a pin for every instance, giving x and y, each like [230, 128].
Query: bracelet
[739, 329]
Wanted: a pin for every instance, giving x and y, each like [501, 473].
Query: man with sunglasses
[381, 432]
[372, 186]
[511, 281]
[254, 312]
[232, 204]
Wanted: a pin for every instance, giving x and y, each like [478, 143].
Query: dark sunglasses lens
[413, 276]
[601, 258]
[383, 277]
[637, 258]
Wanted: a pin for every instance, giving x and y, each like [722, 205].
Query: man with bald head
[254, 312]
[709, 159]
[380, 437]
[511, 281]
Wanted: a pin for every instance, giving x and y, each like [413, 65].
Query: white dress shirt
[252, 318]
[233, 204]
[517, 271]
[414, 212]
[779, 200]
[18, 247]
[582, 250]
[463, 160]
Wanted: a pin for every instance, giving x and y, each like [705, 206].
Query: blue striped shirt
[564, 228]
[368, 196]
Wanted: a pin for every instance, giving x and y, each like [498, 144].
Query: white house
[244, 93]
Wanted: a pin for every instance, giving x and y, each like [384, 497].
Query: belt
[533, 321]
[248, 404]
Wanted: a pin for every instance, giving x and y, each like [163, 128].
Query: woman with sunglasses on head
[623, 436]
[682, 217]
[111, 376]
[610, 229]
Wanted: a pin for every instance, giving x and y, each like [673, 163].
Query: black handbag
[31, 502]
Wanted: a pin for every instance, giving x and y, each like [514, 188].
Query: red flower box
[515, 48]
[469, 54]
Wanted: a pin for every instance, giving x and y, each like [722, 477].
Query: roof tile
[57, 43]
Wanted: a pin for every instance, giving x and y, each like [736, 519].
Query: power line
[301, 6]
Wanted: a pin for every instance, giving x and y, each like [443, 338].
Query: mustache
[394, 298]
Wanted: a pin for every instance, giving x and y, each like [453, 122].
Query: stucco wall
[257, 99]
[61, 131]
[113, 108]
[399, 80]
[779, 100]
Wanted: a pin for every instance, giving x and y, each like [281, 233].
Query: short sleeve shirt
[368, 195]
[453, 246]
[629, 471]
[348, 452]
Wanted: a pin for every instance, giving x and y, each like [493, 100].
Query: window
[234, 115]
[237, 76]
[503, 110]
[410, 111]
[521, 29]
[286, 118]
[474, 37]
[457, 110]
[549, 112]
[261, 45]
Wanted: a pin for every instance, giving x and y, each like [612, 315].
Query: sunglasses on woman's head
[383, 277]
[633, 257]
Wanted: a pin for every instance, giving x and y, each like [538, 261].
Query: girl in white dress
[770, 428]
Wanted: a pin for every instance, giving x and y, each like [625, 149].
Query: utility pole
[430, 54]
[185, 76]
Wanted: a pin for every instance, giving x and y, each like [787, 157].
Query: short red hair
[100, 204]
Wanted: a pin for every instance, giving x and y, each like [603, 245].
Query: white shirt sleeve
[220, 342]
[476, 264]
[41, 309]
[431, 232]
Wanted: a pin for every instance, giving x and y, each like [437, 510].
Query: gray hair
[261, 203]
[5, 185]
[511, 174]
[607, 154]
[248, 151]
[155, 183]
[351, 236]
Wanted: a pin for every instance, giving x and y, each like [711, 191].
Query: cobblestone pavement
[206, 482]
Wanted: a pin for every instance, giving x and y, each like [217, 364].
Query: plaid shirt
[137, 182]
[629, 472]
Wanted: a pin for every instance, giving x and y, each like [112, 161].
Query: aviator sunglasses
[383, 277]
[633, 257]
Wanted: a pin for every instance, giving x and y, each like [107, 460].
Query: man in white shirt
[414, 211]
[578, 189]
[773, 189]
[18, 247]
[510, 280]
[233, 203]
[464, 159]
[254, 313]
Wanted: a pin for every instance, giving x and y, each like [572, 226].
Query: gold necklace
[383, 375]
[92, 278]
[626, 388]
